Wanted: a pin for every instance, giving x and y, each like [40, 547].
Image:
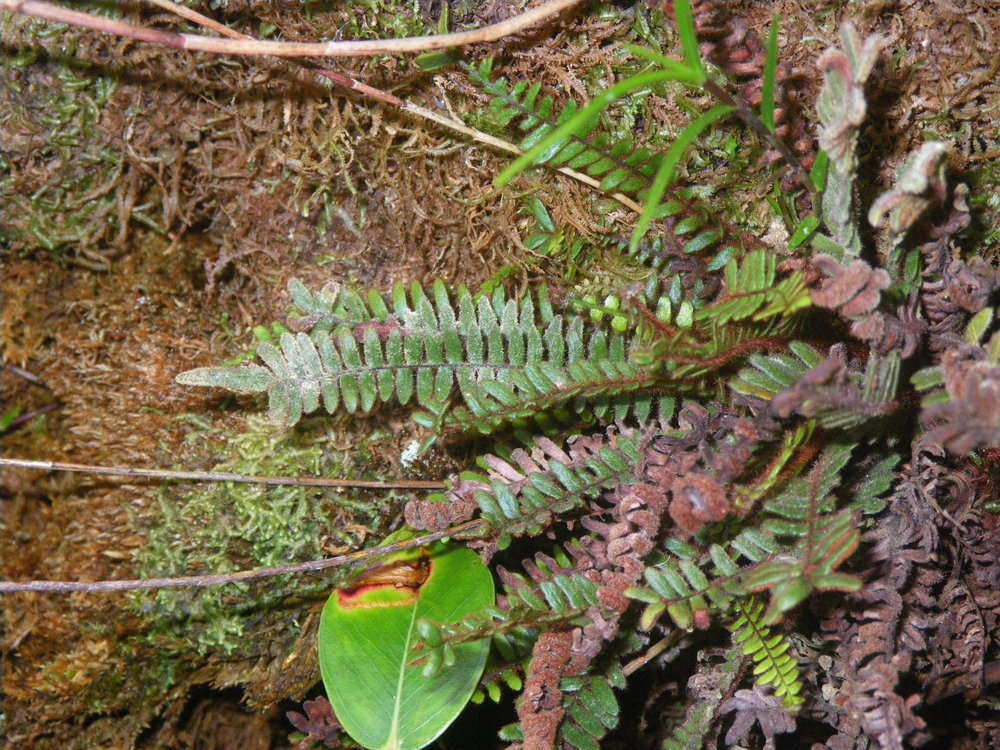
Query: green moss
[384, 19]
[224, 527]
[58, 161]
[139, 683]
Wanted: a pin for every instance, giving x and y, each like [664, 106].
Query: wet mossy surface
[154, 204]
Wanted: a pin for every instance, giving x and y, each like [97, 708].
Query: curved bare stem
[222, 476]
[406, 106]
[243, 576]
[353, 48]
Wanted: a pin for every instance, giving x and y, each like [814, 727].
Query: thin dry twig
[195, 17]
[24, 374]
[651, 653]
[243, 576]
[351, 48]
[221, 476]
[24, 419]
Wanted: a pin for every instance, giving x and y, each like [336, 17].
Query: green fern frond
[833, 407]
[811, 567]
[572, 138]
[873, 481]
[745, 498]
[329, 308]
[878, 388]
[510, 360]
[754, 545]
[796, 550]
[691, 340]
[617, 163]
[600, 294]
[751, 292]
[511, 732]
[653, 253]
[561, 140]
[552, 242]
[591, 710]
[594, 383]
[679, 587]
[881, 378]
[773, 664]
[805, 499]
[530, 607]
[768, 375]
[693, 224]
[618, 265]
[520, 502]
[566, 593]
[667, 168]
[558, 594]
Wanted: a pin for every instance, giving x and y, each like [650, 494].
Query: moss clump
[60, 166]
[224, 527]
[384, 19]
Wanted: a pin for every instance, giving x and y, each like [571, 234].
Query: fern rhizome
[725, 481]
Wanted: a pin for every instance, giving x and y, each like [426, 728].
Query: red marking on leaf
[404, 576]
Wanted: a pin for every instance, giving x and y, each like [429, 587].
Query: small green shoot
[770, 73]
[689, 38]
[9, 417]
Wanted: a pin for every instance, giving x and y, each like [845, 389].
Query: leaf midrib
[392, 741]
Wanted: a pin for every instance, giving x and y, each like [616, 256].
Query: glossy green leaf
[803, 231]
[9, 417]
[978, 326]
[366, 635]
[438, 59]
[819, 171]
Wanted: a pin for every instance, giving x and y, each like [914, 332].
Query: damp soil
[181, 207]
